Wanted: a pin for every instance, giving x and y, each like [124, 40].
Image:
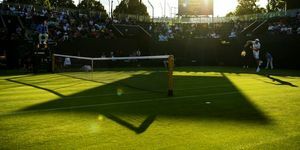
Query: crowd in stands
[62, 25]
[165, 31]
[285, 26]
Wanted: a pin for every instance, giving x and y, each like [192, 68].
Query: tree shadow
[149, 98]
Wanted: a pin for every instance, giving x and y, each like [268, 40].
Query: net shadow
[149, 98]
[35, 86]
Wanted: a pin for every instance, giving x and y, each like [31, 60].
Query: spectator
[19, 31]
[138, 53]
[162, 38]
[232, 34]
[103, 55]
[43, 32]
[12, 9]
[298, 30]
[44, 12]
[298, 16]
[269, 58]
[271, 28]
[66, 29]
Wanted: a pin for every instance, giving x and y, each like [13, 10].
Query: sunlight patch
[197, 74]
[94, 128]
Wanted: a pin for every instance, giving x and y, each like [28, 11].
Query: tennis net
[150, 73]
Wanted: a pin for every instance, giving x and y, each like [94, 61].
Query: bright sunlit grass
[130, 110]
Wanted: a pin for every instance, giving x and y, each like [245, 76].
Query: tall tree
[246, 7]
[135, 7]
[91, 5]
[275, 5]
[63, 3]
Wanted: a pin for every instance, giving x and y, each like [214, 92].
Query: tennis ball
[120, 92]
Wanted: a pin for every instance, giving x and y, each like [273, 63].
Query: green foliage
[246, 7]
[91, 5]
[230, 14]
[63, 3]
[276, 5]
[135, 7]
[44, 3]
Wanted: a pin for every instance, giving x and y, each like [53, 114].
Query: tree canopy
[276, 5]
[63, 3]
[91, 5]
[246, 7]
[135, 7]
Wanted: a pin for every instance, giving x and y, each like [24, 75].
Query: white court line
[165, 99]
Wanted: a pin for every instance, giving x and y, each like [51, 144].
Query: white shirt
[256, 46]
[270, 28]
[162, 38]
[232, 34]
[67, 62]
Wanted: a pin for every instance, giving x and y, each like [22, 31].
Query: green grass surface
[213, 108]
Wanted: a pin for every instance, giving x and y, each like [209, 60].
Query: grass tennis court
[212, 108]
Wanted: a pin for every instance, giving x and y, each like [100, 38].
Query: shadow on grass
[237, 70]
[137, 129]
[281, 82]
[149, 98]
[35, 86]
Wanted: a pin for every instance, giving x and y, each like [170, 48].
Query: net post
[92, 65]
[170, 75]
[53, 63]
[92, 71]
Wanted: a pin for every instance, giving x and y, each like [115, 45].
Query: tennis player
[255, 45]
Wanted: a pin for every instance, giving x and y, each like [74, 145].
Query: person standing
[269, 58]
[245, 56]
[43, 33]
